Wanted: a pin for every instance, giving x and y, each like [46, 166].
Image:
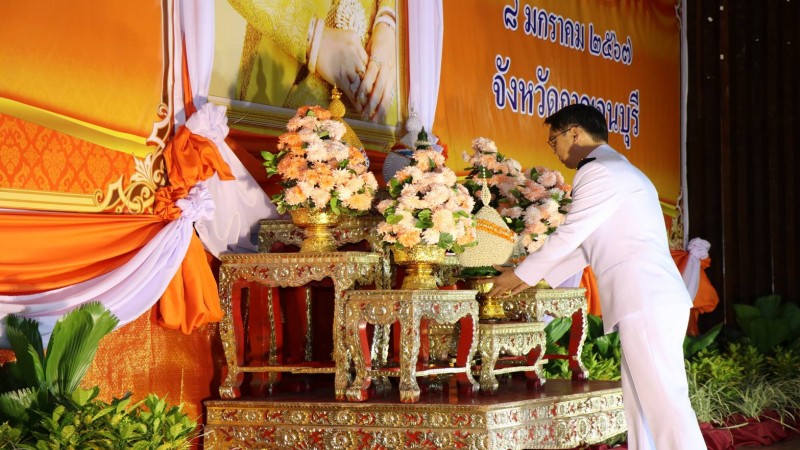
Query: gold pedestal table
[409, 307]
[345, 269]
[515, 339]
[532, 304]
[350, 230]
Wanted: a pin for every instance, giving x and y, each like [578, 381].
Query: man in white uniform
[615, 224]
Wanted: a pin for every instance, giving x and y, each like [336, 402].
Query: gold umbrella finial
[338, 110]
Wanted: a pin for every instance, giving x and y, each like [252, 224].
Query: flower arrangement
[533, 203]
[427, 206]
[318, 169]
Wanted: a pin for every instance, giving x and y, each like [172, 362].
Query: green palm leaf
[73, 345]
[23, 335]
[30, 329]
[15, 406]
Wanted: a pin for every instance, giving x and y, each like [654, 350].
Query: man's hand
[507, 283]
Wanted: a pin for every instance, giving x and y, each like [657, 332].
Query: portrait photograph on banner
[274, 57]
[507, 65]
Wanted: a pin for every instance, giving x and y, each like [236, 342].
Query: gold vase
[491, 309]
[419, 262]
[318, 226]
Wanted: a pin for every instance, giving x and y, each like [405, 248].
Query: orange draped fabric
[706, 298]
[191, 299]
[192, 158]
[44, 251]
[589, 282]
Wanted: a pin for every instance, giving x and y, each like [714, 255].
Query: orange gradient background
[98, 62]
[474, 33]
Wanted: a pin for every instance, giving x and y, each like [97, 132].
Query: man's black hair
[585, 116]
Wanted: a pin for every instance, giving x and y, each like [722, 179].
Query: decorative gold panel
[545, 422]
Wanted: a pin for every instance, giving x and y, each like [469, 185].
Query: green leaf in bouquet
[395, 187]
[393, 219]
[334, 204]
[446, 241]
[343, 163]
[424, 219]
[431, 164]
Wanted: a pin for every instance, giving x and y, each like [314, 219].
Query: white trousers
[654, 387]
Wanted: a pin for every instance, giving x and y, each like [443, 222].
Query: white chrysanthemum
[338, 150]
[306, 188]
[413, 203]
[551, 205]
[340, 176]
[556, 219]
[532, 214]
[344, 192]
[320, 197]
[556, 194]
[355, 184]
[369, 180]
[443, 219]
[484, 145]
[513, 212]
[317, 152]
[334, 128]
[438, 195]
[430, 236]
[309, 136]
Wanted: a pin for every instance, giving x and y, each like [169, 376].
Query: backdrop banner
[507, 65]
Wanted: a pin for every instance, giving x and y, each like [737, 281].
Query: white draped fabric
[698, 251]
[241, 203]
[127, 291]
[425, 38]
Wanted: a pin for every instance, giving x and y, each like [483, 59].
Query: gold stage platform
[562, 415]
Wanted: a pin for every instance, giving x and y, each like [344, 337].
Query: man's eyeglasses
[552, 141]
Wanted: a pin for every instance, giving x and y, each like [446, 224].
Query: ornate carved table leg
[409, 347]
[233, 354]
[467, 345]
[340, 354]
[576, 338]
[380, 355]
[489, 355]
[534, 358]
[356, 336]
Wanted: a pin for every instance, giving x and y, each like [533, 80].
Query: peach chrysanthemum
[410, 238]
[359, 202]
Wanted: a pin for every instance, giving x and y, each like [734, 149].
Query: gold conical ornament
[495, 245]
[337, 109]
